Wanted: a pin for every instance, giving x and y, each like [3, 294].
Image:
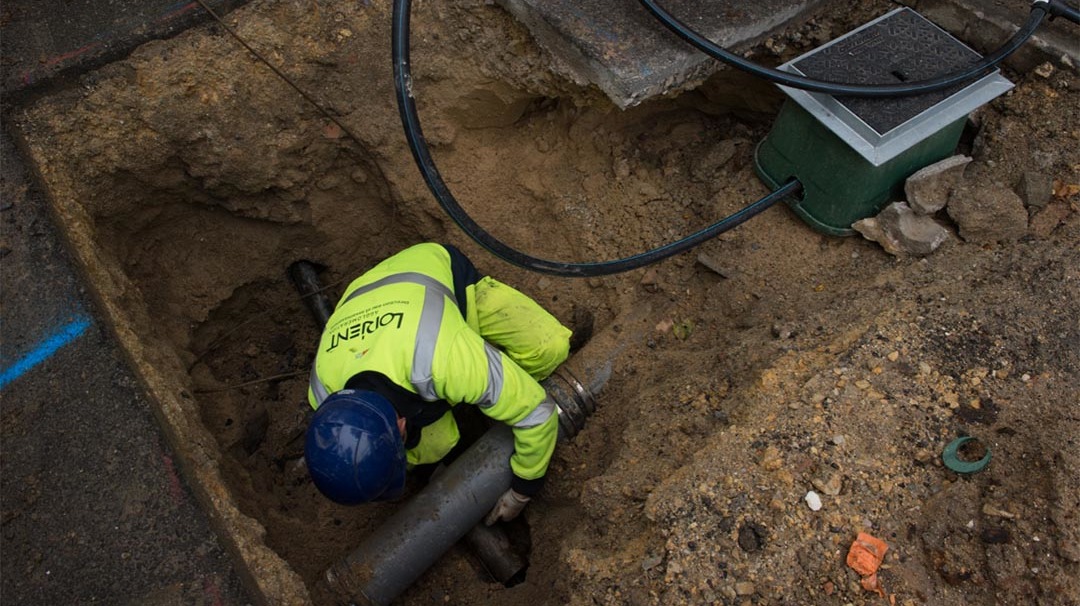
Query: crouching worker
[418, 334]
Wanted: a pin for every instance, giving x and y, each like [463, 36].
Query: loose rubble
[901, 231]
[986, 214]
[928, 189]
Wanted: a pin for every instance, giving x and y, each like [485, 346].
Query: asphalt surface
[92, 509]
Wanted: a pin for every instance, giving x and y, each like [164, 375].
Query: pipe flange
[952, 459]
[584, 396]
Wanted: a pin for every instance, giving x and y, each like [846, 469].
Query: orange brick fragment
[871, 583]
[866, 554]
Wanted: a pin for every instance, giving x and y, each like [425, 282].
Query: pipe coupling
[573, 401]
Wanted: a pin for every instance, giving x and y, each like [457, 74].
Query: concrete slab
[619, 47]
[985, 24]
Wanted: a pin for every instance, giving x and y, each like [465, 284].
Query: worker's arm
[475, 372]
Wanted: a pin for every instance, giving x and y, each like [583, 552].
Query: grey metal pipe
[426, 526]
[492, 547]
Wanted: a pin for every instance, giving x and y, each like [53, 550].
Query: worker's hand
[507, 508]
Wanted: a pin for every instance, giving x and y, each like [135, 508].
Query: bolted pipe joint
[573, 402]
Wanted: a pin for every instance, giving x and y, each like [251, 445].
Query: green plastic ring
[953, 462]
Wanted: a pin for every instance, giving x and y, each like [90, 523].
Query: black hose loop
[410, 120]
[976, 70]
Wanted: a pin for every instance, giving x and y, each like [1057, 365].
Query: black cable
[1039, 10]
[411, 122]
[1058, 8]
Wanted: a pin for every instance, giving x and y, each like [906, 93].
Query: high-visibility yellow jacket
[401, 328]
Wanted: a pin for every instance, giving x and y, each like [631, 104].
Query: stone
[712, 264]
[751, 537]
[830, 486]
[1046, 220]
[902, 232]
[745, 588]
[928, 189]
[813, 501]
[1035, 189]
[988, 213]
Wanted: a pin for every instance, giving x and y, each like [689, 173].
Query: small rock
[1035, 189]
[771, 459]
[839, 440]
[651, 562]
[928, 189]
[813, 501]
[751, 537]
[783, 330]
[745, 588]
[1045, 70]
[650, 280]
[713, 265]
[831, 486]
[997, 512]
[902, 232]
[329, 182]
[1046, 220]
[988, 213]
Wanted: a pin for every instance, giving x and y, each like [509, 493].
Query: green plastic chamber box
[852, 155]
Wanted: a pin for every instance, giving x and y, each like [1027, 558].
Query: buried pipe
[305, 277]
[496, 554]
[457, 499]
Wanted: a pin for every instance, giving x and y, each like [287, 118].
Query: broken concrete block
[988, 213]
[629, 56]
[928, 189]
[1035, 190]
[900, 231]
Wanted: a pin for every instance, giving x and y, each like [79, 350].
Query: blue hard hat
[354, 450]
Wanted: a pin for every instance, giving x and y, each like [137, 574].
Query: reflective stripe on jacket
[401, 319]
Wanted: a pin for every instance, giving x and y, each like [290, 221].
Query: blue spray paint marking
[46, 349]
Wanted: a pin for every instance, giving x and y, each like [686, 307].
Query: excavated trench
[188, 178]
[191, 178]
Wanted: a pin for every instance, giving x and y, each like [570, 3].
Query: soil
[777, 361]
